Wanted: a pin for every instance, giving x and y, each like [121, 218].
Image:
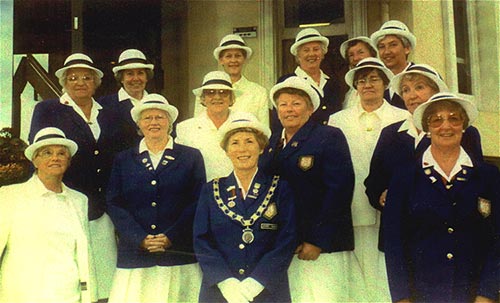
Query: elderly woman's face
[154, 123]
[52, 160]
[416, 91]
[445, 128]
[357, 52]
[243, 149]
[370, 87]
[217, 100]
[310, 55]
[80, 83]
[293, 111]
[134, 80]
[232, 60]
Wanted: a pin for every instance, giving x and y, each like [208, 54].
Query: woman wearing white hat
[314, 159]
[218, 95]
[232, 54]
[44, 250]
[362, 124]
[442, 216]
[402, 142]
[152, 196]
[93, 128]
[132, 73]
[394, 42]
[309, 50]
[244, 230]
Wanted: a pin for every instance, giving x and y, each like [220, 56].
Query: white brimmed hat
[243, 120]
[154, 101]
[468, 106]
[215, 80]
[297, 83]
[369, 62]
[422, 69]
[308, 35]
[132, 58]
[50, 136]
[344, 45]
[78, 60]
[230, 42]
[394, 27]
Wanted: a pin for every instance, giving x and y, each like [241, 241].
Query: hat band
[78, 61]
[371, 63]
[50, 137]
[443, 97]
[218, 81]
[240, 120]
[132, 60]
[154, 102]
[308, 36]
[230, 42]
[395, 27]
[423, 69]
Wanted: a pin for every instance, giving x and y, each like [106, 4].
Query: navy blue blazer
[330, 103]
[317, 165]
[443, 245]
[127, 126]
[91, 165]
[218, 239]
[142, 200]
[395, 149]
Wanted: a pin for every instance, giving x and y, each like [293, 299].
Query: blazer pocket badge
[484, 207]
[306, 162]
[271, 211]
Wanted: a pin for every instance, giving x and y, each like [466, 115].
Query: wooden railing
[30, 71]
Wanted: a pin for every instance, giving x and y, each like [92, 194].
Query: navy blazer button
[153, 182]
[153, 226]
[450, 230]
[449, 256]
[96, 152]
[241, 246]
[241, 271]
[153, 204]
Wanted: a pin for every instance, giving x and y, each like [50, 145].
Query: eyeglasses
[212, 92]
[438, 120]
[149, 119]
[48, 153]
[75, 78]
[365, 81]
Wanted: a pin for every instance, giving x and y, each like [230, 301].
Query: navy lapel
[295, 144]
[74, 118]
[144, 160]
[168, 160]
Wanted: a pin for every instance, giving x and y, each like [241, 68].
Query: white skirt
[157, 284]
[333, 277]
[104, 254]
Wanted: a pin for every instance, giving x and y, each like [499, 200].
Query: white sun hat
[421, 69]
[50, 136]
[297, 83]
[154, 101]
[78, 60]
[132, 58]
[344, 45]
[394, 27]
[230, 42]
[215, 80]
[369, 62]
[243, 120]
[308, 35]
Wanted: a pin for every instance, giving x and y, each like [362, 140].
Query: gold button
[98, 170]
[450, 230]
[153, 204]
[325, 122]
[449, 256]
[323, 107]
[99, 189]
[153, 226]
[241, 246]
[96, 152]
[153, 182]
[241, 271]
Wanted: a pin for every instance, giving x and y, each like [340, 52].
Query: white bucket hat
[132, 58]
[369, 62]
[50, 136]
[468, 106]
[422, 69]
[78, 60]
[344, 45]
[154, 101]
[243, 120]
[308, 35]
[215, 80]
[394, 27]
[230, 42]
[298, 83]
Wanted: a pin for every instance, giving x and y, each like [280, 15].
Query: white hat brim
[60, 71]
[343, 46]
[396, 81]
[321, 39]
[219, 49]
[244, 124]
[349, 76]
[198, 91]
[70, 144]
[304, 87]
[136, 111]
[132, 66]
[376, 36]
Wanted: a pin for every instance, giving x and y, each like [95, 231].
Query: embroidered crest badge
[271, 211]
[306, 162]
[484, 207]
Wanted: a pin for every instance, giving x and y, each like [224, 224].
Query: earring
[463, 131]
[428, 134]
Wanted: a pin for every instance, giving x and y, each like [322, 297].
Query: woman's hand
[308, 251]
[156, 243]
[481, 299]
[382, 198]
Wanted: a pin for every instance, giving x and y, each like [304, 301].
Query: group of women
[284, 215]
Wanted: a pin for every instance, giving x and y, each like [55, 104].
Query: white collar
[243, 192]
[66, 100]
[123, 95]
[429, 161]
[143, 146]
[37, 188]
[302, 73]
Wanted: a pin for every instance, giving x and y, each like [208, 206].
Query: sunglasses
[212, 92]
[438, 120]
